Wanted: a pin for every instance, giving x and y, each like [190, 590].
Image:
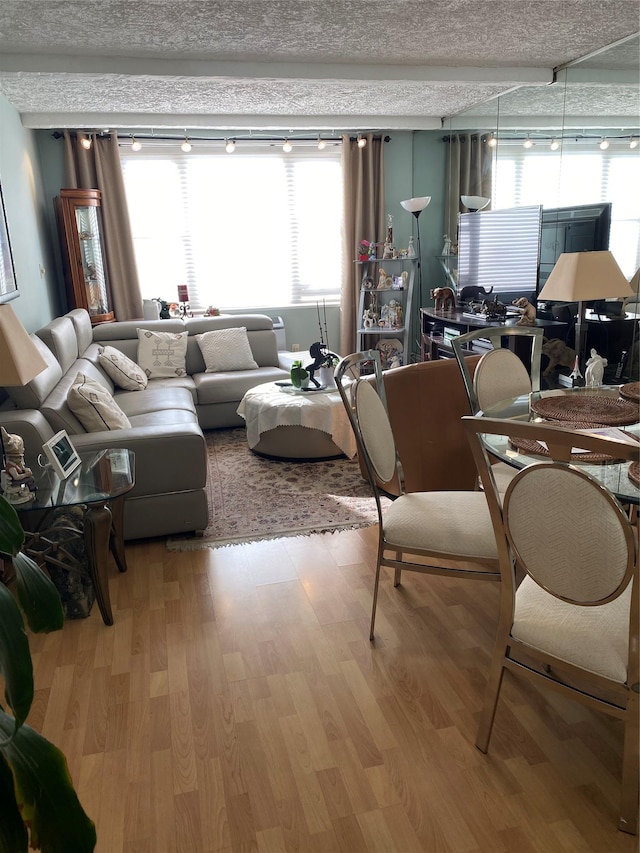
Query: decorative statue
[444, 298]
[446, 247]
[559, 355]
[321, 358]
[18, 483]
[528, 315]
[411, 249]
[594, 372]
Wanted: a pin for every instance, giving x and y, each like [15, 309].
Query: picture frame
[62, 455]
[8, 284]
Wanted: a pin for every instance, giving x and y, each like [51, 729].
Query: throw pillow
[226, 349]
[162, 355]
[124, 372]
[94, 406]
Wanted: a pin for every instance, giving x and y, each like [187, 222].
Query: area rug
[252, 498]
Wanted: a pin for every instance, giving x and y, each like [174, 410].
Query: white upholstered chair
[438, 532]
[572, 623]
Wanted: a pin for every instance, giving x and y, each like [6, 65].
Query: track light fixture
[528, 143]
[633, 142]
[136, 145]
[604, 143]
[186, 145]
[492, 140]
[86, 142]
[287, 146]
[361, 141]
[554, 145]
[229, 145]
[321, 144]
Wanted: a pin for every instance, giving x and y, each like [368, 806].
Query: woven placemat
[593, 408]
[634, 473]
[528, 445]
[631, 391]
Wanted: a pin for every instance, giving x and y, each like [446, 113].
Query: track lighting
[604, 143]
[135, 144]
[186, 146]
[554, 145]
[362, 142]
[321, 144]
[229, 146]
[633, 142]
[287, 146]
[492, 140]
[527, 143]
[86, 142]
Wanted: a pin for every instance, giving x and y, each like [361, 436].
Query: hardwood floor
[237, 705]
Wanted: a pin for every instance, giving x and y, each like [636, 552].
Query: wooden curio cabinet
[80, 225]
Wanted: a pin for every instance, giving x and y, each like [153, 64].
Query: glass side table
[99, 487]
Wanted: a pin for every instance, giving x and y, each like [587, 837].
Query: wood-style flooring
[238, 705]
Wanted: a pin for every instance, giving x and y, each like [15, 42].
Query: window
[576, 176]
[253, 229]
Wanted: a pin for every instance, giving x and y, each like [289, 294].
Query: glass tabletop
[613, 475]
[102, 476]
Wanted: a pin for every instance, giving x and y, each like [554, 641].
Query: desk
[99, 485]
[434, 345]
[613, 475]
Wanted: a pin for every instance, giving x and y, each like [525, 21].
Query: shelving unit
[378, 302]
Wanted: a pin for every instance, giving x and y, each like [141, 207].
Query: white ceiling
[296, 64]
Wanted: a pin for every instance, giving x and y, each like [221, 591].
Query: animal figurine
[472, 292]
[18, 483]
[444, 299]
[321, 356]
[528, 315]
[558, 353]
[594, 372]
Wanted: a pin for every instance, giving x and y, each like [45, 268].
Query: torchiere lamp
[20, 361]
[582, 277]
[416, 206]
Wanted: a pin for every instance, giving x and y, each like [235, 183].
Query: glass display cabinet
[80, 226]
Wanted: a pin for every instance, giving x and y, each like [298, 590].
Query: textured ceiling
[289, 64]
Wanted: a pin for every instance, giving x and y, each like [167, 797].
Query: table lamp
[416, 206]
[20, 361]
[582, 277]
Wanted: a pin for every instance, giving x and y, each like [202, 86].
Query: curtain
[363, 175]
[469, 172]
[100, 168]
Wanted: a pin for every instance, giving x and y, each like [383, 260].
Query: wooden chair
[439, 532]
[572, 622]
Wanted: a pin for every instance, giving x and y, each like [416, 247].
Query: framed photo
[8, 285]
[61, 454]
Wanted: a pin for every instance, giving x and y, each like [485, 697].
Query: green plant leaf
[15, 658]
[13, 833]
[11, 532]
[38, 597]
[45, 795]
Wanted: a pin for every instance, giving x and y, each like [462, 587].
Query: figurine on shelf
[369, 319]
[18, 483]
[411, 249]
[528, 315]
[575, 374]
[444, 299]
[446, 248]
[594, 372]
[364, 250]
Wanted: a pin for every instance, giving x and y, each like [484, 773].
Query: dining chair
[569, 615]
[434, 532]
[500, 374]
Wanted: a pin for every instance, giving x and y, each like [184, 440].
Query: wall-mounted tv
[500, 249]
[581, 228]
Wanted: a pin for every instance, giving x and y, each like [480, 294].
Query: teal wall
[28, 222]
[31, 169]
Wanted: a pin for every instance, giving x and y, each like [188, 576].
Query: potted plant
[40, 807]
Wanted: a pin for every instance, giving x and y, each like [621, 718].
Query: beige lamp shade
[20, 361]
[583, 276]
[634, 284]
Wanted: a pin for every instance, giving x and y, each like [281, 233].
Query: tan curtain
[363, 176]
[469, 172]
[100, 168]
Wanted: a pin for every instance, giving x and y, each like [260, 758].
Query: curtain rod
[236, 137]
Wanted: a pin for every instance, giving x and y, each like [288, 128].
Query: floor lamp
[582, 277]
[20, 360]
[416, 206]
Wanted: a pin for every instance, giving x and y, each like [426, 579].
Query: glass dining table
[595, 409]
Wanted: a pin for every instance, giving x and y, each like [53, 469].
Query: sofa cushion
[226, 349]
[94, 406]
[162, 354]
[124, 372]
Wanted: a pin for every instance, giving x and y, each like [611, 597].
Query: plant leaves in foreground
[15, 659]
[13, 834]
[11, 532]
[38, 597]
[44, 792]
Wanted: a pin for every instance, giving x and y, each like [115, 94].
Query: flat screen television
[581, 228]
[500, 249]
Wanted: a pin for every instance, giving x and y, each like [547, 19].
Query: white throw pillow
[124, 372]
[226, 349]
[162, 355]
[94, 406]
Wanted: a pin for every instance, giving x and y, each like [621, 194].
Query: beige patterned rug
[253, 498]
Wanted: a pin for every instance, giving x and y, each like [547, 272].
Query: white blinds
[500, 249]
[253, 229]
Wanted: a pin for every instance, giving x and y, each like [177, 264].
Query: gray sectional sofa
[167, 418]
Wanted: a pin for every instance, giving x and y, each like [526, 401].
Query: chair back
[360, 383]
[504, 374]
